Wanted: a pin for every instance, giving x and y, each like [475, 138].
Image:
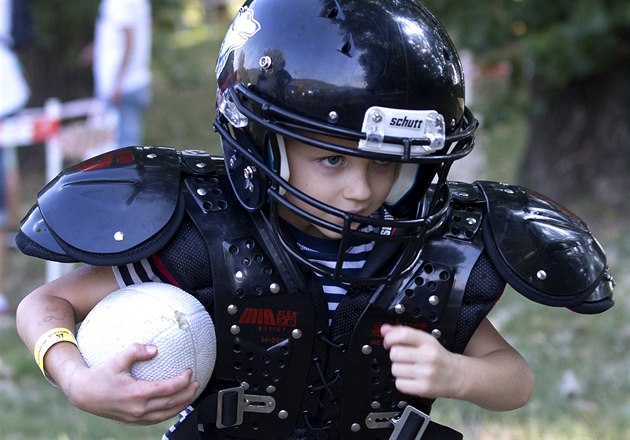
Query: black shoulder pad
[543, 250]
[115, 208]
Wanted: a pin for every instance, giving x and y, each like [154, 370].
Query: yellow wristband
[47, 340]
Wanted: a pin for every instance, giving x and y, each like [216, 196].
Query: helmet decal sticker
[242, 29]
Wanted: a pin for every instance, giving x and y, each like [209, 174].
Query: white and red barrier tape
[71, 130]
[77, 127]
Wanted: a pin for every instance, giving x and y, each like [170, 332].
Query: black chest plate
[264, 313]
[273, 341]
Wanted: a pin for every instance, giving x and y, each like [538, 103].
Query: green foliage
[63, 29]
[581, 39]
[564, 40]
[166, 14]
[67, 27]
[184, 81]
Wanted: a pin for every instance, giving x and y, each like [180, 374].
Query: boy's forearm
[500, 380]
[37, 314]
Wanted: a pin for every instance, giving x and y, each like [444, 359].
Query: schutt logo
[404, 122]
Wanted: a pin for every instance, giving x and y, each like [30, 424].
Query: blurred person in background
[14, 94]
[121, 60]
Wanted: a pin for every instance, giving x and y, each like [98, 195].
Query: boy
[335, 119]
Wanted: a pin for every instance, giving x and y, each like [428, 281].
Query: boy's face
[348, 183]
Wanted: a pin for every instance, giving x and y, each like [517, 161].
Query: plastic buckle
[410, 425]
[233, 402]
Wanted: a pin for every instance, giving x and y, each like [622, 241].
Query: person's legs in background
[4, 220]
[131, 113]
[8, 212]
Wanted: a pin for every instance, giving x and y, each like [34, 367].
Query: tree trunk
[578, 150]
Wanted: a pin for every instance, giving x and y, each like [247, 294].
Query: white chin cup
[403, 183]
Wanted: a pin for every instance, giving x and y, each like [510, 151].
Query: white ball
[156, 314]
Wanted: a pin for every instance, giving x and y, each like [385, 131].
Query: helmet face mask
[406, 109]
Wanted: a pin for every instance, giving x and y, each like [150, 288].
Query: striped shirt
[319, 251]
[142, 271]
[324, 252]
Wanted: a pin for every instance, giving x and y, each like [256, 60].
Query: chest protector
[282, 372]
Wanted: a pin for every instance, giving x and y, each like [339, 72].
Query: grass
[582, 366]
[180, 115]
[582, 363]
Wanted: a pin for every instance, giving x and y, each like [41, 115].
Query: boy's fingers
[168, 387]
[132, 354]
[403, 335]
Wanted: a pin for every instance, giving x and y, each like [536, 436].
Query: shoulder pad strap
[117, 207]
[201, 163]
[462, 192]
[543, 250]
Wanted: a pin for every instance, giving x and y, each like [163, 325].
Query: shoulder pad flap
[542, 249]
[113, 202]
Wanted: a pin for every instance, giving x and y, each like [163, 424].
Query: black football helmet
[383, 73]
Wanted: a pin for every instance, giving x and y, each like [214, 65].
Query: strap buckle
[233, 402]
[380, 420]
[410, 425]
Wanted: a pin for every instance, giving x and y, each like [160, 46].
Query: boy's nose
[358, 185]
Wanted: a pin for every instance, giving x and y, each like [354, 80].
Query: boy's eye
[332, 160]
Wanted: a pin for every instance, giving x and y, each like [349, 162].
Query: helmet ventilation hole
[346, 49]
